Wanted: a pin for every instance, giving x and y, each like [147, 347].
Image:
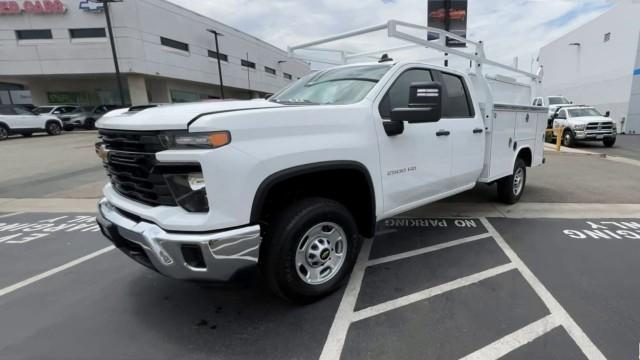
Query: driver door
[416, 164]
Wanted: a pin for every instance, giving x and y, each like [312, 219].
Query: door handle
[478, 131]
[443, 133]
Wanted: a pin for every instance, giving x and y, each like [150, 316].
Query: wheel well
[51, 121]
[525, 154]
[4, 125]
[349, 183]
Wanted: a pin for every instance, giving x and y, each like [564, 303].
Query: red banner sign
[44, 7]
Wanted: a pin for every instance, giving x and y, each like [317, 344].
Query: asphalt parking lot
[557, 283]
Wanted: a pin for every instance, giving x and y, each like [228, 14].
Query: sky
[509, 28]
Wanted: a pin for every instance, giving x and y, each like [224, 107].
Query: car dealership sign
[41, 7]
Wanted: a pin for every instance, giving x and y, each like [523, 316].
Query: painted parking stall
[591, 267]
[32, 243]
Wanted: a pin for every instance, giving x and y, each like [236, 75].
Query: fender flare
[272, 180]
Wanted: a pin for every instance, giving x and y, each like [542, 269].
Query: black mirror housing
[425, 104]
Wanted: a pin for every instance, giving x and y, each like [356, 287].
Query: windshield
[584, 112]
[558, 100]
[43, 110]
[340, 86]
[83, 109]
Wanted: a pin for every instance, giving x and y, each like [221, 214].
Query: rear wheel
[89, 124]
[511, 188]
[309, 249]
[4, 133]
[568, 139]
[609, 142]
[54, 128]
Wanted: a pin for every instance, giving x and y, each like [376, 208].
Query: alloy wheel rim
[321, 253]
[3, 133]
[518, 181]
[55, 129]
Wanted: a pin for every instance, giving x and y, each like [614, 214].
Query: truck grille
[603, 126]
[133, 169]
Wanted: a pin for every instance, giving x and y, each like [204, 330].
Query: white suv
[15, 119]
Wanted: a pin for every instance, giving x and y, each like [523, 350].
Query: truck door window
[398, 94]
[562, 114]
[456, 103]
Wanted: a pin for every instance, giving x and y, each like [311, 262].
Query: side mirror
[57, 112]
[607, 114]
[425, 104]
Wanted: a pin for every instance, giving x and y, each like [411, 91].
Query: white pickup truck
[205, 191]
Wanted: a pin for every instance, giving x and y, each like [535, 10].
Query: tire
[27, 134]
[295, 255]
[511, 188]
[89, 124]
[568, 139]
[53, 128]
[4, 133]
[609, 142]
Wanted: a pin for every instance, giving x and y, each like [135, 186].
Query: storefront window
[179, 96]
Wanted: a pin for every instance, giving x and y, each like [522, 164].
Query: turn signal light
[219, 139]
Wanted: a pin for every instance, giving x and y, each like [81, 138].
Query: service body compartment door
[499, 151]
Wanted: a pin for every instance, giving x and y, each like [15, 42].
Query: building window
[87, 33]
[247, 63]
[287, 76]
[33, 34]
[269, 70]
[174, 44]
[214, 55]
[607, 37]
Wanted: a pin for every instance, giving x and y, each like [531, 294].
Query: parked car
[14, 119]
[552, 103]
[86, 116]
[57, 110]
[584, 123]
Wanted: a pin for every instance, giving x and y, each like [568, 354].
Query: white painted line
[12, 214]
[46, 274]
[427, 249]
[576, 333]
[511, 342]
[428, 293]
[338, 333]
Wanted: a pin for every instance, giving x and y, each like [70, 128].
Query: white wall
[633, 120]
[138, 26]
[597, 73]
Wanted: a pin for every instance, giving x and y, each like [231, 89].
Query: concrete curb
[522, 210]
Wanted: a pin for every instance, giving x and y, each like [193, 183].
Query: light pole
[105, 4]
[215, 36]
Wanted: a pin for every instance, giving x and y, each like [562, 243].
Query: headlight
[184, 140]
[580, 127]
[189, 191]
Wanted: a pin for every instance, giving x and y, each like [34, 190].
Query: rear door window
[456, 102]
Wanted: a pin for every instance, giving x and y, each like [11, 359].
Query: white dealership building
[58, 51]
[599, 64]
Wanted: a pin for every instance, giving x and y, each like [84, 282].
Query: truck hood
[589, 119]
[176, 117]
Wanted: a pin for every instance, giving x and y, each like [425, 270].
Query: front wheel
[609, 142]
[54, 128]
[510, 188]
[309, 249]
[90, 124]
[568, 139]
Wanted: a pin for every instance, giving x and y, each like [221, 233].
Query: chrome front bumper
[215, 256]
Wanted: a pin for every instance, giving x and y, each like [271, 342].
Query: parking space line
[428, 293]
[46, 274]
[338, 332]
[426, 250]
[577, 334]
[515, 340]
[12, 214]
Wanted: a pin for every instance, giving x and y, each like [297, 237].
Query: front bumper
[593, 135]
[215, 256]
